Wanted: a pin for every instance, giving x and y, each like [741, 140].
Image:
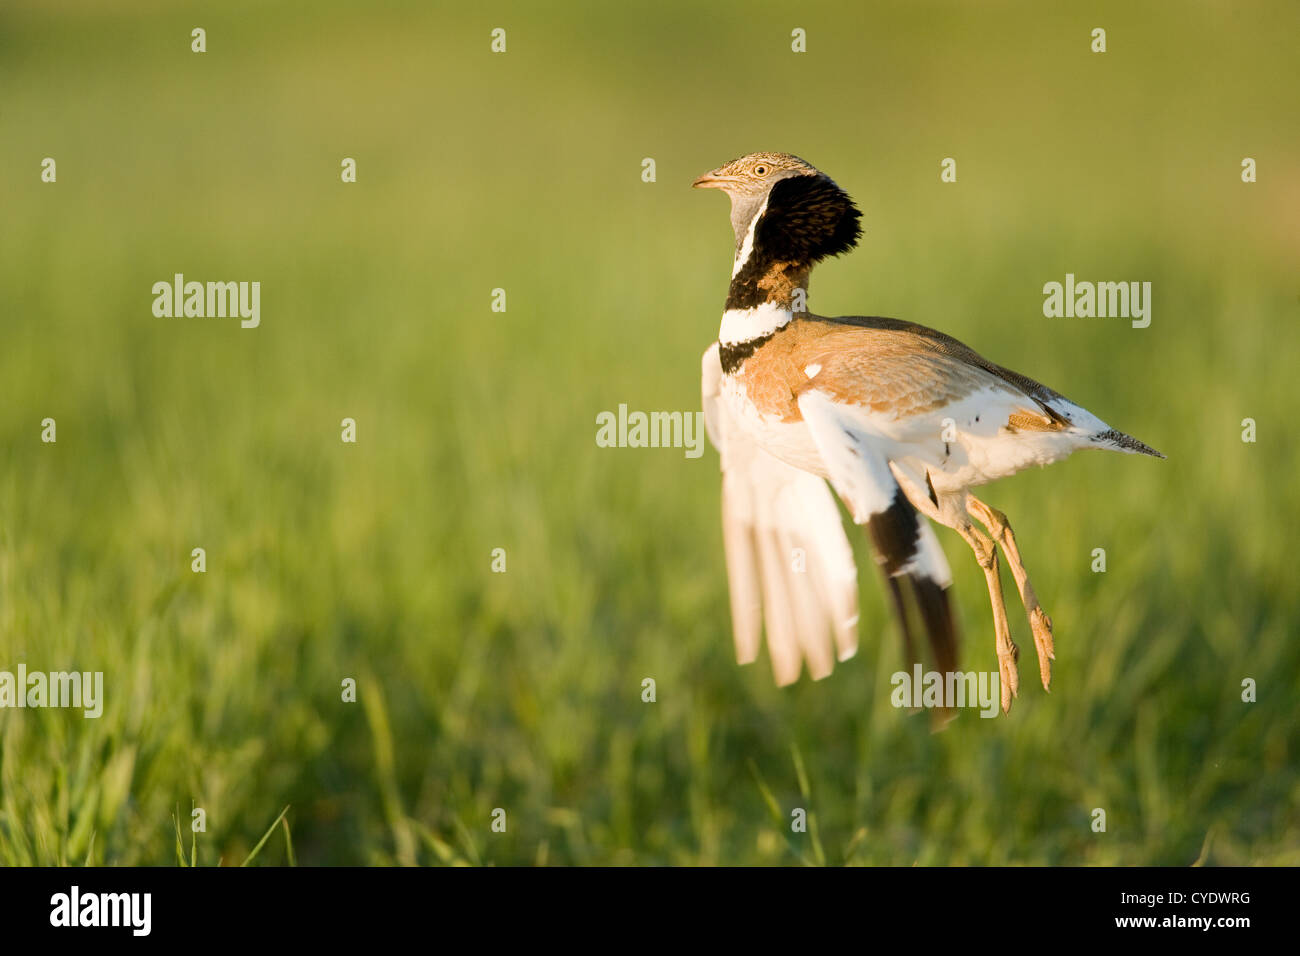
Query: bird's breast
[783, 438]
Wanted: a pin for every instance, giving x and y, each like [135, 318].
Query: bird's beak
[712, 180]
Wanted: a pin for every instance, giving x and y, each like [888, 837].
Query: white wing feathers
[855, 456]
[776, 520]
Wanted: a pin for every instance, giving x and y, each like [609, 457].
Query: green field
[476, 430]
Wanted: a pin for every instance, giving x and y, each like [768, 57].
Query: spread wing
[789, 563]
[906, 549]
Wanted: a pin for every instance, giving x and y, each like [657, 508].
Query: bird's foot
[1041, 625]
[1009, 673]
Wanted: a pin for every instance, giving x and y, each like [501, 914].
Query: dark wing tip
[895, 533]
[940, 625]
[930, 600]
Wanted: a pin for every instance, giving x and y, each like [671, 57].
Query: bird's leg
[1008, 653]
[1039, 622]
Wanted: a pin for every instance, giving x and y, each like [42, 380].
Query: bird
[900, 420]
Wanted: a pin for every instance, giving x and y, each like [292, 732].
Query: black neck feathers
[807, 219]
[732, 355]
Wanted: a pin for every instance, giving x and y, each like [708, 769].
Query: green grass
[522, 690]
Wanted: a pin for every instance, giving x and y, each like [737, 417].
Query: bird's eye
[760, 170]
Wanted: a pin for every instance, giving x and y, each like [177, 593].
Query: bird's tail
[1113, 438]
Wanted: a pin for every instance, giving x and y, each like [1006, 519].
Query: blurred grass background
[476, 429]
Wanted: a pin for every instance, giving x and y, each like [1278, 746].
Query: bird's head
[792, 210]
